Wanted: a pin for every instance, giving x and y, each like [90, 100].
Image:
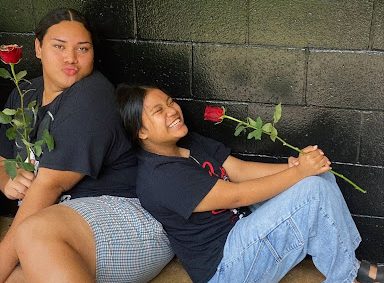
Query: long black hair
[130, 100]
[58, 15]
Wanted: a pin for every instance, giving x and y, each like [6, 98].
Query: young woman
[102, 233]
[198, 191]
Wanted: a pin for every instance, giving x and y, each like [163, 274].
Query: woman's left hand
[293, 161]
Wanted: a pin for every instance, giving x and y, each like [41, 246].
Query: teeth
[177, 121]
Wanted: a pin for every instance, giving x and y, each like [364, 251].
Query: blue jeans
[309, 218]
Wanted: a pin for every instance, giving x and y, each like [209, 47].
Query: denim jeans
[309, 218]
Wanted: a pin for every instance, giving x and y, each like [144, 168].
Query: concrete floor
[305, 272]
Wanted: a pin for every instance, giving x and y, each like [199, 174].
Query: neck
[49, 96]
[169, 150]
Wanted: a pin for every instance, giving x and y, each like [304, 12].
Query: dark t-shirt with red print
[170, 188]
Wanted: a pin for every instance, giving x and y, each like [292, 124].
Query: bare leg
[56, 245]
[17, 276]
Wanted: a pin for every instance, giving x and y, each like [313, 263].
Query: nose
[70, 56]
[171, 110]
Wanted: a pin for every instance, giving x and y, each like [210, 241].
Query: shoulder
[93, 95]
[32, 90]
[95, 83]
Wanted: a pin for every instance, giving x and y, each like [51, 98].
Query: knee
[30, 233]
[318, 187]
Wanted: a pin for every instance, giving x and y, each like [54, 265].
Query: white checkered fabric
[131, 245]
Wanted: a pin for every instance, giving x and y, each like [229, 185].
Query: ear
[143, 133]
[37, 48]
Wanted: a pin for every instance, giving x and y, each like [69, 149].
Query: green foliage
[256, 128]
[21, 122]
[5, 74]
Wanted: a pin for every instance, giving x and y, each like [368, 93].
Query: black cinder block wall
[324, 60]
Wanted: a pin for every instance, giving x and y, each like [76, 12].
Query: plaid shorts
[131, 245]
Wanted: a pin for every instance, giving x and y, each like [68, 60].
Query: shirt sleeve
[182, 186]
[85, 129]
[213, 148]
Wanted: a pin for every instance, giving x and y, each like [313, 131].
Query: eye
[170, 101]
[59, 46]
[158, 110]
[83, 49]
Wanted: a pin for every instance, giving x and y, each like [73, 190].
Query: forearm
[225, 195]
[241, 171]
[255, 170]
[261, 189]
[3, 175]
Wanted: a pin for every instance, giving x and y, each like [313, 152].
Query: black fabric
[89, 137]
[171, 187]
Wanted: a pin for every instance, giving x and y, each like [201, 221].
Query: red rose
[214, 114]
[11, 54]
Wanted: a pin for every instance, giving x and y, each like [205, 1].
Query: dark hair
[58, 15]
[130, 100]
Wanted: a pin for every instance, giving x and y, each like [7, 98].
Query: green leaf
[21, 75]
[273, 134]
[47, 137]
[239, 129]
[10, 168]
[9, 112]
[251, 122]
[11, 133]
[277, 114]
[27, 143]
[267, 128]
[5, 119]
[256, 134]
[259, 123]
[18, 123]
[27, 166]
[5, 74]
[37, 150]
[32, 104]
[19, 158]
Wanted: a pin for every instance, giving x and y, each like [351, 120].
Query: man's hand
[17, 188]
[312, 161]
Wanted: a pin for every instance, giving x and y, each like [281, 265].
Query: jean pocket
[283, 239]
[279, 243]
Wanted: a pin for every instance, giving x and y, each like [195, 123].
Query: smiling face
[66, 54]
[162, 122]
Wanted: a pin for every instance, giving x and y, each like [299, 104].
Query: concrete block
[165, 65]
[328, 24]
[378, 26]
[16, 16]
[370, 179]
[346, 79]
[372, 140]
[372, 231]
[248, 74]
[111, 19]
[29, 62]
[334, 131]
[191, 20]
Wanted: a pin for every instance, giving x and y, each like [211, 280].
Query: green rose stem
[247, 125]
[24, 134]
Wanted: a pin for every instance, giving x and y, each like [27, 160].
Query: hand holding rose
[310, 157]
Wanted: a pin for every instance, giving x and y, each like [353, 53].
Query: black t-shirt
[170, 188]
[88, 134]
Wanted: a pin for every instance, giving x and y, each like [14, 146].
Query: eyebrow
[63, 41]
[153, 109]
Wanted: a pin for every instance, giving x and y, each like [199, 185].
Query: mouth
[174, 123]
[70, 71]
